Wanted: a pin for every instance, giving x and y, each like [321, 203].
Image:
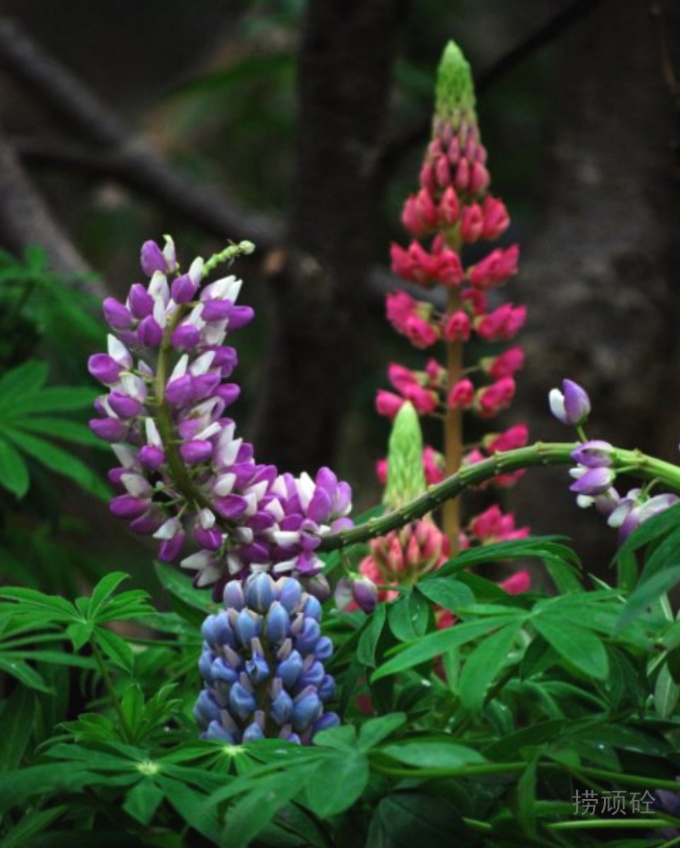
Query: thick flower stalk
[453, 210]
[595, 472]
[184, 471]
[263, 664]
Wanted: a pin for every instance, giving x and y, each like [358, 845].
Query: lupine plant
[327, 681]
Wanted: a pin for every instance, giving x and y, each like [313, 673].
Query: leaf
[328, 796]
[652, 529]
[103, 591]
[645, 594]
[17, 786]
[526, 798]
[374, 730]
[142, 801]
[25, 674]
[31, 825]
[433, 754]
[665, 554]
[192, 807]
[407, 818]
[484, 664]
[180, 586]
[17, 727]
[27, 378]
[666, 693]
[116, 648]
[13, 471]
[58, 460]
[249, 815]
[447, 592]
[62, 428]
[434, 644]
[578, 645]
[408, 616]
[79, 633]
[55, 608]
[54, 399]
[368, 641]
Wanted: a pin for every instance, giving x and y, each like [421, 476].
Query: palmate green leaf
[646, 594]
[433, 753]
[62, 428]
[546, 548]
[408, 616]
[103, 591]
[191, 807]
[28, 378]
[181, 587]
[374, 730]
[32, 824]
[142, 801]
[666, 693]
[51, 607]
[485, 664]
[652, 529]
[248, 816]
[434, 644]
[13, 471]
[664, 555]
[25, 674]
[407, 818]
[115, 648]
[335, 783]
[17, 786]
[294, 827]
[51, 399]
[17, 726]
[526, 798]
[57, 459]
[447, 592]
[368, 642]
[575, 643]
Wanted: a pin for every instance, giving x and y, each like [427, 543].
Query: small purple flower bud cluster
[594, 475]
[571, 405]
[182, 467]
[263, 664]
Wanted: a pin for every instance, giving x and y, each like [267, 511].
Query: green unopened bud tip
[455, 91]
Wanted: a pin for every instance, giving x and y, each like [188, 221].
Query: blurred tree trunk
[601, 278]
[317, 339]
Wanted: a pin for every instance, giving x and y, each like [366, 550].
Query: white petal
[153, 437]
[556, 401]
[196, 269]
[202, 364]
[168, 530]
[305, 486]
[224, 484]
[158, 288]
[206, 518]
[209, 575]
[136, 485]
[119, 352]
[180, 369]
[201, 559]
[125, 455]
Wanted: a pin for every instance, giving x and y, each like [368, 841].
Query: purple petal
[576, 402]
[196, 451]
[126, 506]
[117, 316]
[596, 481]
[104, 368]
[149, 332]
[183, 289]
[239, 317]
[109, 429]
[140, 301]
[151, 258]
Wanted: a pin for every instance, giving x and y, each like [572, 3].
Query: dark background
[300, 126]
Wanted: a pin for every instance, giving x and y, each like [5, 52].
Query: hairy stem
[635, 462]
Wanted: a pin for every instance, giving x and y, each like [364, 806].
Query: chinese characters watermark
[614, 802]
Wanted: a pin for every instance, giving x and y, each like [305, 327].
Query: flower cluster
[594, 475]
[183, 469]
[451, 210]
[263, 664]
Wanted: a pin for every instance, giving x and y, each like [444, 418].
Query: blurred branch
[26, 220]
[127, 157]
[419, 135]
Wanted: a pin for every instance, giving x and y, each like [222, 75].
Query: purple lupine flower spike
[240, 516]
[269, 685]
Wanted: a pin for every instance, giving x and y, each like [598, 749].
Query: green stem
[539, 454]
[604, 823]
[108, 685]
